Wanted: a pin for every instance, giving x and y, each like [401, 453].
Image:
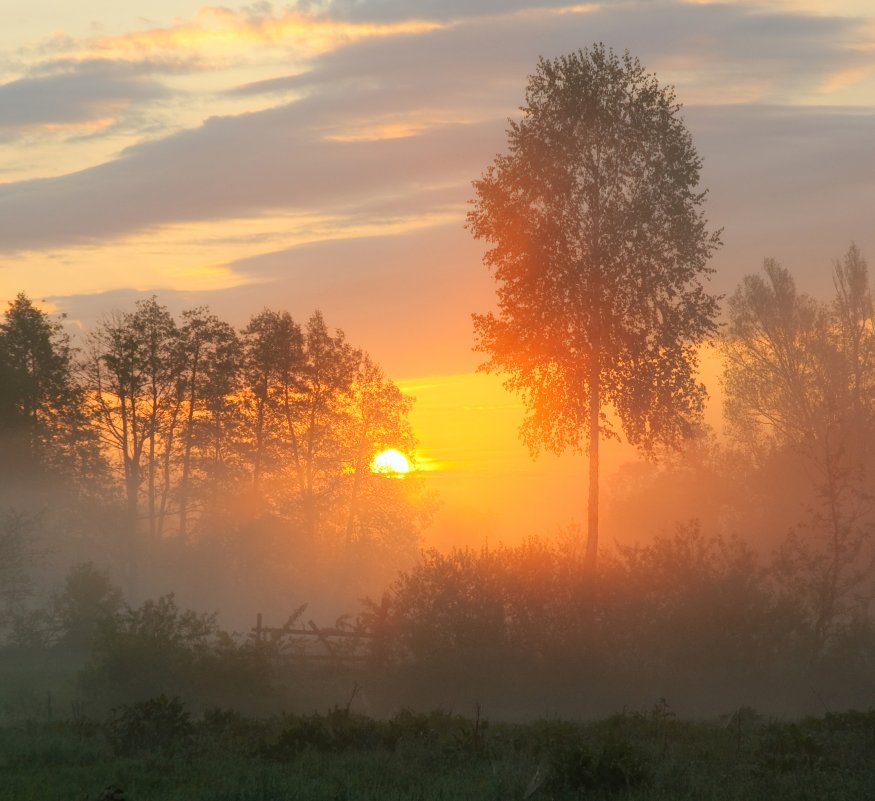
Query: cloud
[220, 35]
[110, 83]
[793, 183]
[448, 10]
[63, 100]
[846, 77]
[406, 298]
[708, 51]
[382, 120]
[232, 167]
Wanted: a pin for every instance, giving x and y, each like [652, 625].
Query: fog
[171, 481]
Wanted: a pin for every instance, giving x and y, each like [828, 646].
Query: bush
[89, 600]
[157, 725]
[160, 650]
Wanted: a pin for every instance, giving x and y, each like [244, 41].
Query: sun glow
[391, 462]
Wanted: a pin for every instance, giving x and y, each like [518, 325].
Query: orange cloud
[222, 32]
[86, 127]
[189, 257]
[846, 78]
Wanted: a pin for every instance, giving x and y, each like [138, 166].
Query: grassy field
[156, 751]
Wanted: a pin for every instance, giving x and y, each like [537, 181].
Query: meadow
[157, 751]
[669, 692]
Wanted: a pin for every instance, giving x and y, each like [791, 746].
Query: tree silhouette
[599, 247]
[326, 382]
[42, 421]
[799, 377]
[273, 352]
[156, 335]
[208, 349]
[375, 419]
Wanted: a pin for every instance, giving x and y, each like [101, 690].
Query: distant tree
[775, 387]
[377, 419]
[16, 560]
[272, 358]
[599, 246]
[327, 376]
[160, 366]
[208, 354]
[220, 426]
[42, 420]
[88, 600]
[800, 377]
[130, 374]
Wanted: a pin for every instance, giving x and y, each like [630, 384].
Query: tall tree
[326, 380]
[130, 374]
[774, 391]
[599, 246]
[273, 356]
[799, 378]
[114, 386]
[42, 416]
[35, 355]
[376, 419]
[208, 350]
[160, 366]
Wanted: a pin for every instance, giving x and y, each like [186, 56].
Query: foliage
[599, 247]
[88, 601]
[209, 354]
[449, 604]
[617, 766]
[799, 379]
[622, 757]
[691, 615]
[210, 429]
[158, 649]
[69, 622]
[16, 558]
[157, 724]
[43, 428]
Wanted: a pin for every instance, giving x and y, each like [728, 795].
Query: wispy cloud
[392, 106]
[846, 78]
[218, 36]
[241, 142]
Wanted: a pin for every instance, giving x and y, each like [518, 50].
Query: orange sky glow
[320, 155]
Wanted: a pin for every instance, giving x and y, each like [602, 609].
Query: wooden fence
[332, 644]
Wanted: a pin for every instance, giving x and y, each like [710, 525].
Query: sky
[320, 154]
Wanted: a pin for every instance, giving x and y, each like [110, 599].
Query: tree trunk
[356, 488]
[186, 452]
[131, 452]
[132, 534]
[592, 530]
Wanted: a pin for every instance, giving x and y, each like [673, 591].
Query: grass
[226, 757]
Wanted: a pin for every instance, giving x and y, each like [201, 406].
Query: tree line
[773, 583]
[182, 422]
[799, 377]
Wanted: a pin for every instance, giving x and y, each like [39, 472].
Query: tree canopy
[210, 429]
[42, 423]
[599, 246]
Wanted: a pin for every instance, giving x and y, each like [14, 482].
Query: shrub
[158, 725]
[89, 600]
[159, 649]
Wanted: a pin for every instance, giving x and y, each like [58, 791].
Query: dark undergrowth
[157, 751]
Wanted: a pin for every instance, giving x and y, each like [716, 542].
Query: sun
[391, 462]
